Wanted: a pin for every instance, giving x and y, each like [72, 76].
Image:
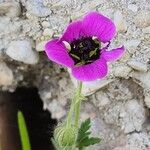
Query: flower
[79, 48]
[65, 136]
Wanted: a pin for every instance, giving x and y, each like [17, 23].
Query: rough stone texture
[6, 75]
[119, 104]
[10, 9]
[22, 51]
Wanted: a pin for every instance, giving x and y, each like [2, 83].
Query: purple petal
[72, 32]
[57, 52]
[114, 54]
[95, 24]
[92, 71]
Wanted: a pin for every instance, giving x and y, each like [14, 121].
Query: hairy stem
[70, 114]
[75, 106]
[78, 104]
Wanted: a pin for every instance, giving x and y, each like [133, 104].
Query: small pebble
[122, 71]
[120, 22]
[45, 24]
[36, 8]
[139, 66]
[48, 32]
[131, 45]
[133, 7]
[22, 51]
[146, 30]
[143, 78]
[142, 19]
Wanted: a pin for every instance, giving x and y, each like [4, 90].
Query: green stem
[75, 106]
[78, 104]
[70, 114]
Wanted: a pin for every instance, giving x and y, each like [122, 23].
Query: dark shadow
[39, 122]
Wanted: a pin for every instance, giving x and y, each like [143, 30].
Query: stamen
[85, 50]
[75, 56]
[93, 52]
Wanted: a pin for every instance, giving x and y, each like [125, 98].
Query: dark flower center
[85, 50]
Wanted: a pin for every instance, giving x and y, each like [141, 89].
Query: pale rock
[143, 78]
[9, 27]
[122, 71]
[142, 19]
[40, 46]
[139, 66]
[10, 9]
[91, 87]
[4, 22]
[146, 30]
[133, 7]
[22, 51]
[1, 49]
[86, 7]
[125, 57]
[45, 24]
[139, 139]
[131, 45]
[6, 75]
[57, 111]
[101, 100]
[127, 148]
[112, 114]
[31, 17]
[147, 100]
[48, 32]
[132, 120]
[36, 8]
[46, 95]
[120, 22]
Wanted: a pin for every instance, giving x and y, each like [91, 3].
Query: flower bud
[65, 136]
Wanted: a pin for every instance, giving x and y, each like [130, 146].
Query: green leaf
[85, 126]
[23, 132]
[91, 141]
[84, 139]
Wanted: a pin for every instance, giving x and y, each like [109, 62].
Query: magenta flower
[80, 49]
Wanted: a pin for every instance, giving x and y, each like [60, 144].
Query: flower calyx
[65, 135]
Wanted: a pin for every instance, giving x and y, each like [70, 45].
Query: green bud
[65, 136]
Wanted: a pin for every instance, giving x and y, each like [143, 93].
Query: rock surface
[142, 19]
[6, 75]
[139, 66]
[22, 51]
[10, 9]
[40, 46]
[120, 21]
[37, 8]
